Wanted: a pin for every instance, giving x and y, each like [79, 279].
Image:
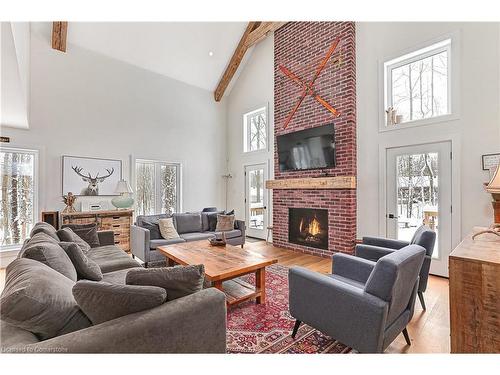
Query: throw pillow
[85, 267]
[67, 235]
[43, 248]
[178, 281]
[153, 227]
[38, 299]
[212, 220]
[229, 212]
[44, 228]
[87, 232]
[102, 301]
[224, 223]
[167, 229]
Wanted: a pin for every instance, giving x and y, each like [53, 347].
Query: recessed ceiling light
[210, 53]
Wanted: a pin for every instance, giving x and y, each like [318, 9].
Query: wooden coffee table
[223, 265]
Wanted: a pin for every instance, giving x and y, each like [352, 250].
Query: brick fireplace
[300, 46]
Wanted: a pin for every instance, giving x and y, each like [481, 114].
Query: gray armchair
[363, 304]
[373, 248]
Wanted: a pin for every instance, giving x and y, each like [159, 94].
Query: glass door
[419, 192]
[256, 200]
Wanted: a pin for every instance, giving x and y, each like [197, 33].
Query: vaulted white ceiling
[179, 50]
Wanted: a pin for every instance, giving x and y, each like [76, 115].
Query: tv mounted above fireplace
[307, 149]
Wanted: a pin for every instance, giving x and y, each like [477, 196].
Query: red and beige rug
[253, 328]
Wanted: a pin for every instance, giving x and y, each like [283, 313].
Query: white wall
[86, 104]
[477, 127]
[253, 89]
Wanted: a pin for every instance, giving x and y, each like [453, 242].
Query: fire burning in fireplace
[309, 227]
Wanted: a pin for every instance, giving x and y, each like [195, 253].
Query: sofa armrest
[139, 242]
[340, 310]
[385, 242]
[106, 237]
[240, 224]
[354, 268]
[370, 252]
[191, 324]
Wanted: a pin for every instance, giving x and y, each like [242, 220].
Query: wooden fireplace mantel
[339, 182]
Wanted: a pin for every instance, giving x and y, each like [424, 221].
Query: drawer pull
[116, 225]
[116, 217]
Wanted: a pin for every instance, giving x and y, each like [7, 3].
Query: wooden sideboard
[118, 221]
[475, 295]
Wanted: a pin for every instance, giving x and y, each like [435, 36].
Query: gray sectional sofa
[145, 235]
[195, 323]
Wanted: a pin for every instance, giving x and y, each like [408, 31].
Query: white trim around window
[247, 129]
[450, 43]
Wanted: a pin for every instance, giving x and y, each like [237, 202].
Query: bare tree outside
[420, 88]
[168, 189]
[17, 196]
[145, 188]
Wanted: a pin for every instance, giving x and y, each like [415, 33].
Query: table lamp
[493, 187]
[124, 200]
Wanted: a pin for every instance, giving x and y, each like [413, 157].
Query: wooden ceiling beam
[254, 33]
[59, 35]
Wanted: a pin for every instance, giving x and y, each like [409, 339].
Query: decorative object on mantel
[214, 241]
[124, 200]
[307, 88]
[391, 116]
[338, 182]
[91, 176]
[69, 200]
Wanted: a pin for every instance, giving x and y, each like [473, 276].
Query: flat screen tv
[307, 149]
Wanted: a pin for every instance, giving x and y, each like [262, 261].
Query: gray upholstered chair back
[394, 278]
[425, 237]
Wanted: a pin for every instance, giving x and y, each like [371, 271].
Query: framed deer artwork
[90, 176]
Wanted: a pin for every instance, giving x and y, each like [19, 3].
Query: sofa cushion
[39, 299]
[178, 281]
[153, 244]
[212, 220]
[150, 222]
[87, 232]
[45, 249]
[197, 236]
[14, 339]
[67, 235]
[44, 228]
[85, 267]
[167, 229]
[229, 234]
[187, 223]
[103, 301]
[116, 277]
[111, 258]
[224, 223]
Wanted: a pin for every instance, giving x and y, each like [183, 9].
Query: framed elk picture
[90, 176]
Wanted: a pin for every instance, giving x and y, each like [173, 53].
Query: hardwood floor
[429, 330]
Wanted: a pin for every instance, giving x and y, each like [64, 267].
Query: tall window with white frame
[158, 187]
[255, 130]
[418, 85]
[18, 195]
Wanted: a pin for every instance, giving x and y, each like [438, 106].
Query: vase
[122, 201]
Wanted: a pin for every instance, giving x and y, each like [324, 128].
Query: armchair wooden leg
[407, 337]
[421, 298]
[296, 328]
[133, 256]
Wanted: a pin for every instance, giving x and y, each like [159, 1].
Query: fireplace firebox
[308, 227]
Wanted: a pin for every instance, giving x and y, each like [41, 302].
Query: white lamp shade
[494, 184]
[123, 187]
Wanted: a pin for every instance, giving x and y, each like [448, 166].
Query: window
[255, 130]
[418, 85]
[158, 186]
[18, 195]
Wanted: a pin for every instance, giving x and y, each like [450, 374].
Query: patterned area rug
[267, 328]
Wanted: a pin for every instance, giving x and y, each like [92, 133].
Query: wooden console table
[475, 295]
[118, 221]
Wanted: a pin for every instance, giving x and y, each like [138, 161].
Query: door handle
[265, 207]
[391, 216]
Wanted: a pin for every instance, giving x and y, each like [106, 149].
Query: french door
[256, 200]
[419, 192]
